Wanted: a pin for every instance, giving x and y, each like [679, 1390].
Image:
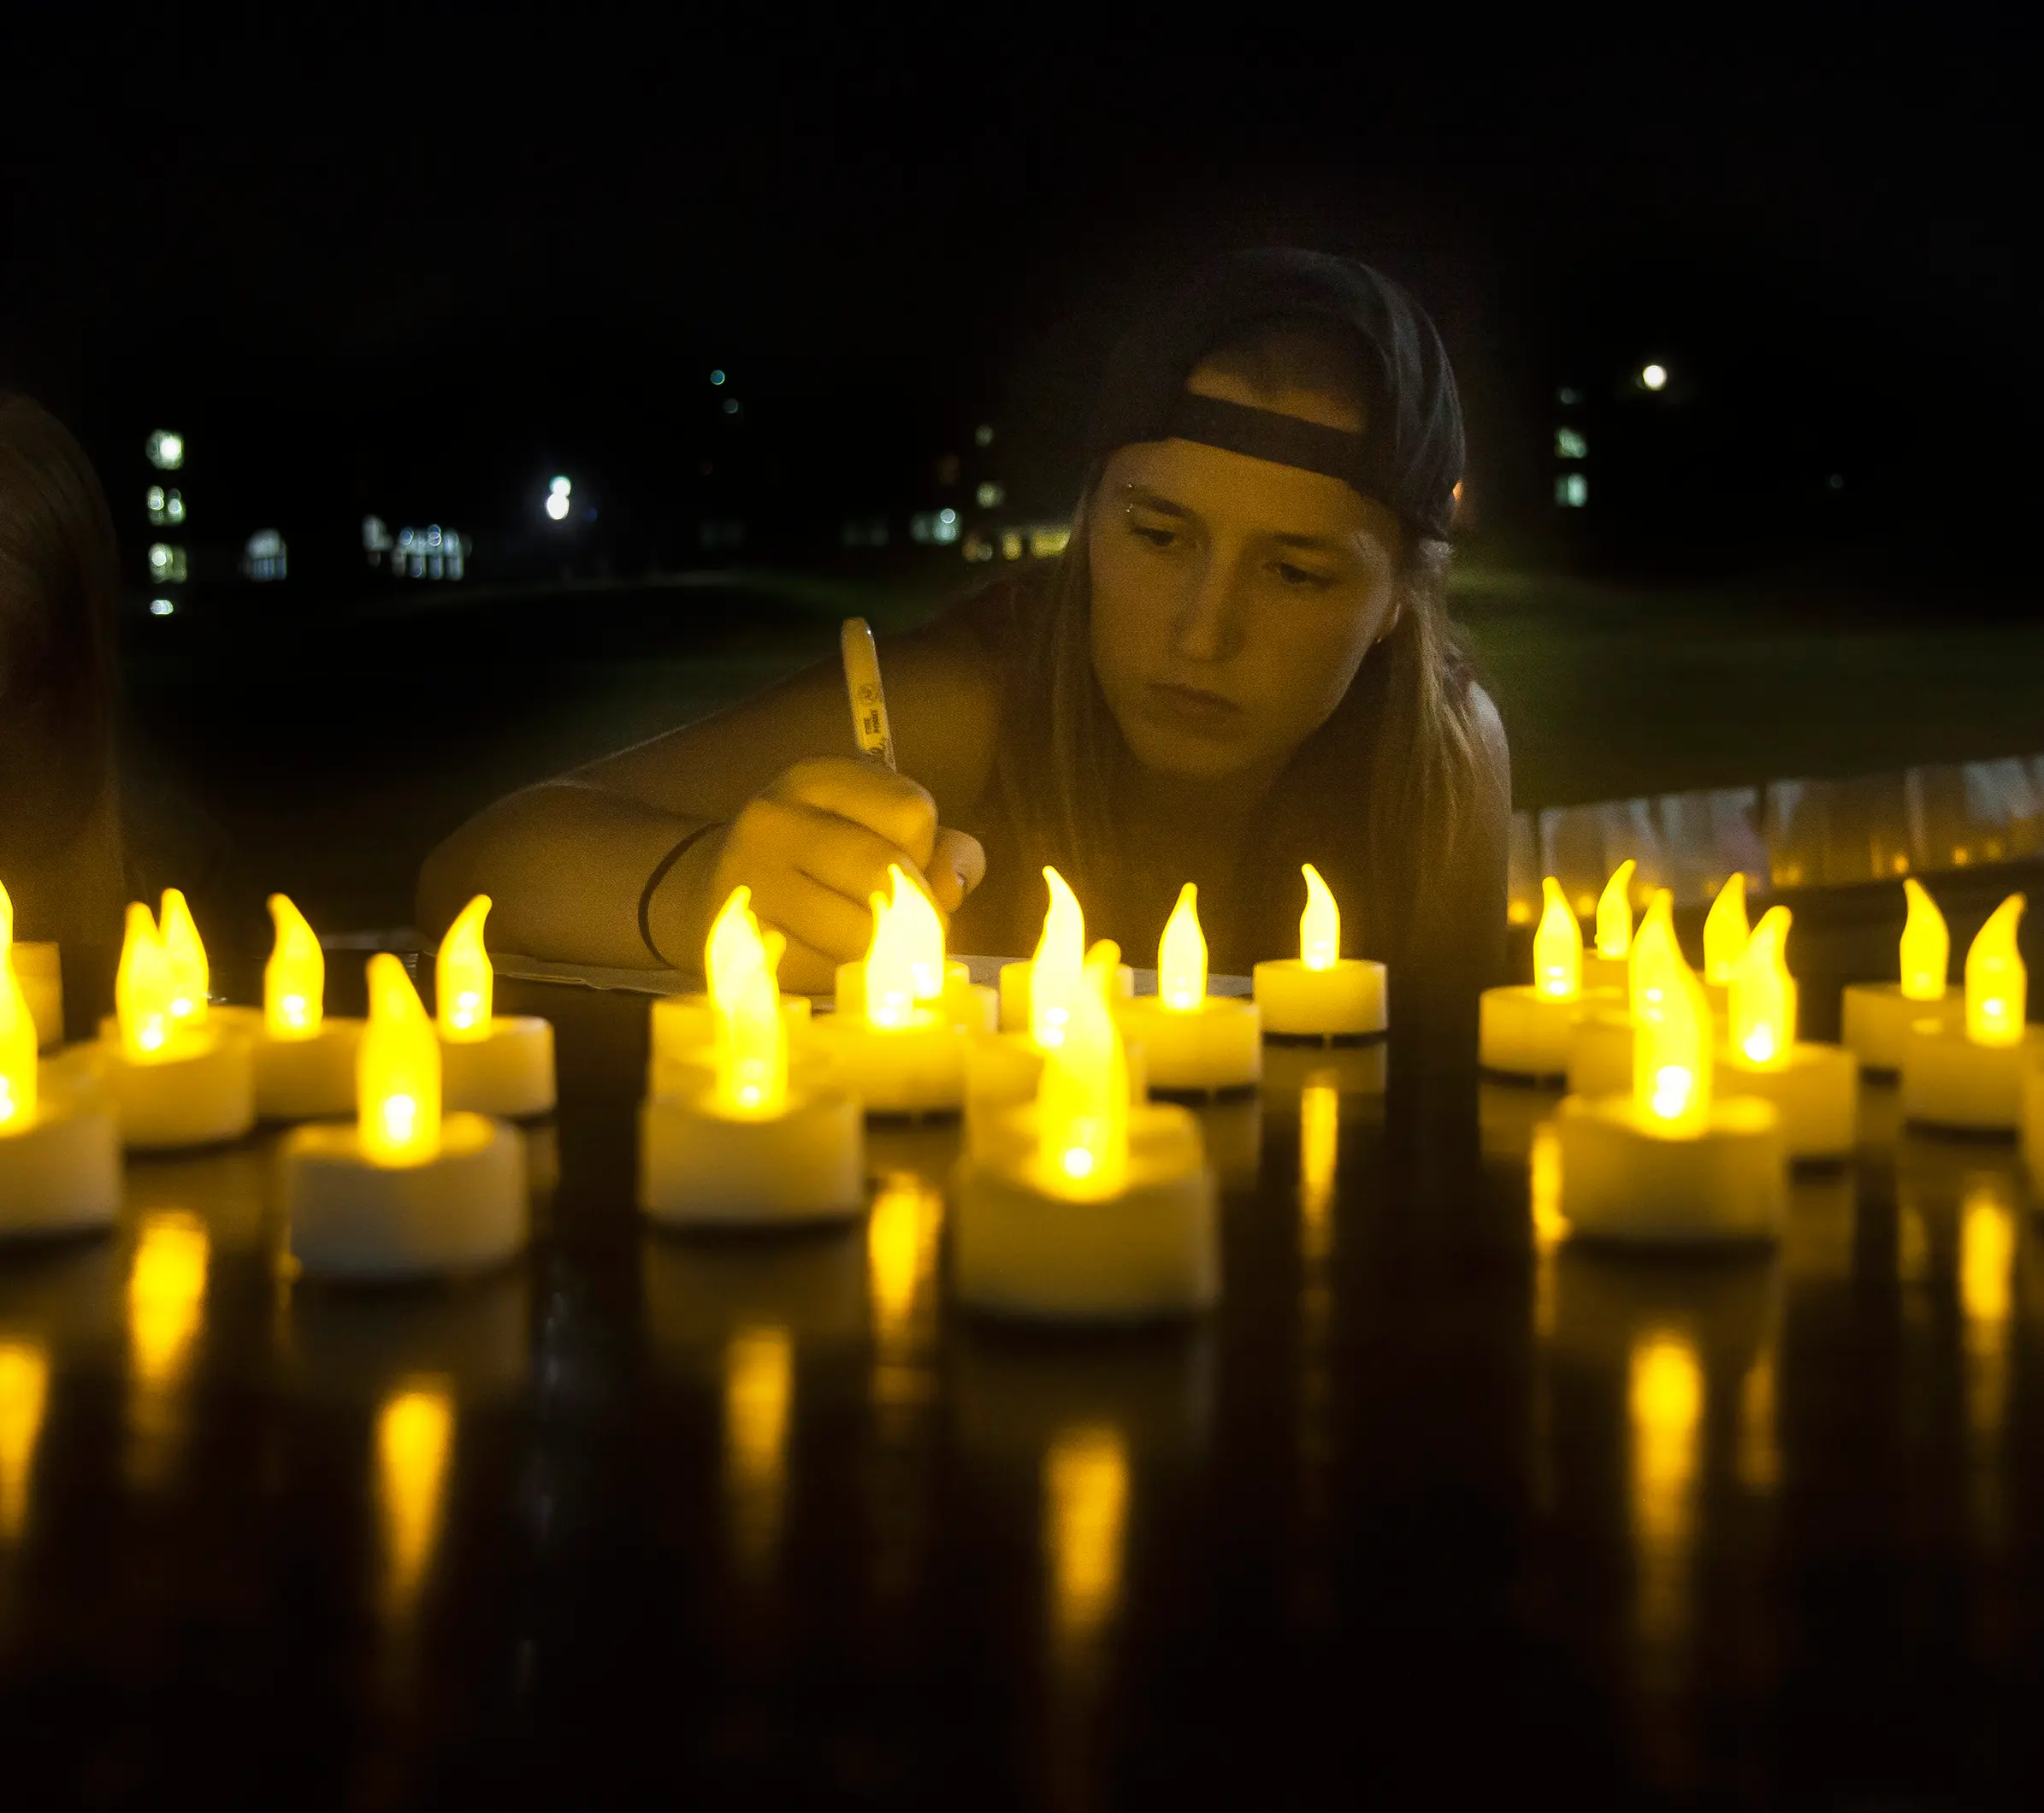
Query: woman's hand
[815, 845]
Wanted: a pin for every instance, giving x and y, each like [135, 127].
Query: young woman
[1241, 662]
[60, 852]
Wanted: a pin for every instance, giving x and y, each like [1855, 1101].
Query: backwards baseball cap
[1409, 456]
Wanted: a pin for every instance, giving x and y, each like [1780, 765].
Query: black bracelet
[659, 875]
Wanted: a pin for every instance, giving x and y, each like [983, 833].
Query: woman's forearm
[566, 864]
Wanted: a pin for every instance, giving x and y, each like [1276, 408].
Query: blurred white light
[156, 501]
[989, 495]
[1654, 377]
[1569, 444]
[559, 486]
[717, 377]
[166, 449]
[264, 556]
[983, 435]
[730, 405]
[947, 516]
[160, 607]
[556, 504]
[1572, 491]
[166, 562]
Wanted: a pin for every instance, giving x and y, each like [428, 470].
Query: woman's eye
[1156, 537]
[1298, 576]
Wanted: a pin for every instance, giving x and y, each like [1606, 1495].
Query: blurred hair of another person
[61, 853]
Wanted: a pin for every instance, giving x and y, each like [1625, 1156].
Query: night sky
[896, 226]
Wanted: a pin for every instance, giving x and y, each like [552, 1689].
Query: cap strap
[1286, 441]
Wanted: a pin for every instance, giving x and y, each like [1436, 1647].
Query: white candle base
[1016, 1001]
[680, 1079]
[1607, 973]
[2033, 1127]
[1151, 1252]
[700, 1169]
[1622, 1183]
[61, 1174]
[463, 1211]
[43, 982]
[964, 1003]
[299, 1079]
[1219, 1045]
[1600, 1053]
[203, 1094]
[1351, 1000]
[1521, 1032]
[917, 1069]
[1817, 1095]
[1877, 1018]
[684, 1027]
[1948, 1081]
[509, 1074]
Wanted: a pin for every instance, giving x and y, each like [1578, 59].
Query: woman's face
[1234, 599]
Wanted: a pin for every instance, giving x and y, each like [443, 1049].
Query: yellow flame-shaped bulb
[1926, 946]
[1997, 983]
[1082, 1103]
[189, 975]
[905, 963]
[1726, 931]
[745, 996]
[1671, 1051]
[397, 1072]
[1654, 951]
[1557, 947]
[1319, 925]
[1182, 956]
[1057, 971]
[17, 1042]
[294, 980]
[143, 989]
[463, 983]
[1760, 1007]
[1615, 913]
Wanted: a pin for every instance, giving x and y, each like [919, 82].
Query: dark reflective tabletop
[1432, 1506]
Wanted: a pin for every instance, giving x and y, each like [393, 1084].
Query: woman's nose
[1206, 628]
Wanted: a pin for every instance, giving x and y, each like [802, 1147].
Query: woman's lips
[1186, 708]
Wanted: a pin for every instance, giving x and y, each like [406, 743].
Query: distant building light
[1654, 377]
[1837, 481]
[432, 552]
[730, 405]
[865, 532]
[977, 547]
[982, 436]
[990, 495]
[1572, 490]
[165, 506]
[160, 607]
[947, 516]
[156, 501]
[375, 538]
[1011, 544]
[166, 450]
[717, 377]
[264, 557]
[1568, 444]
[1569, 396]
[166, 563]
[938, 526]
[1046, 540]
[556, 505]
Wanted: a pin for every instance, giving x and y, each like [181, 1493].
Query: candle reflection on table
[901, 1236]
[166, 1306]
[759, 1397]
[1085, 1515]
[1986, 1261]
[24, 1392]
[1664, 1404]
[414, 1442]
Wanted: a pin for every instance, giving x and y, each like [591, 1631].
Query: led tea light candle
[1966, 1073]
[304, 1061]
[1192, 1040]
[1814, 1087]
[1060, 954]
[902, 1056]
[60, 1147]
[1600, 1045]
[944, 987]
[1321, 994]
[492, 1065]
[1006, 1071]
[1665, 1164]
[176, 1080]
[39, 977]
[1101, 1212]
[1879, 1014]
[404, 1190]
[1605, 968]
[1525, 1030]
[743, 1148]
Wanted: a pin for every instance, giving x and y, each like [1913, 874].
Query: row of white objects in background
[1790, 834]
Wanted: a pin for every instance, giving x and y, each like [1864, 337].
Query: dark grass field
[326, 758]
